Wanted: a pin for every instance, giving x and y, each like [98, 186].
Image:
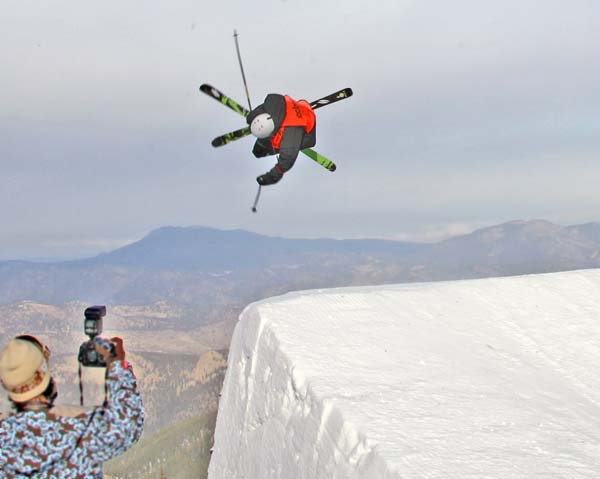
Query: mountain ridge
[200, 266]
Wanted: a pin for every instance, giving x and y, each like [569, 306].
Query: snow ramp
[493, 378]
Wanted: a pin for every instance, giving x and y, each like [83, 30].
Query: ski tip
[332, 168]
[217, 142]
[349, 91]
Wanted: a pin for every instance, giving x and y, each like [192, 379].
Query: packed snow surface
[495, 378]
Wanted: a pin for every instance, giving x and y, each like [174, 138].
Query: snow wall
[493, 378]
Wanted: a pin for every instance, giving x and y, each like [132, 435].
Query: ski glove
[267, 179]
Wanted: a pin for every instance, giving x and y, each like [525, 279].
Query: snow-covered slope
[494, 378]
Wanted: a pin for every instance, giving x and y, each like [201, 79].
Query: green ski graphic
[224, 99]
[231, 136]
[320, 159]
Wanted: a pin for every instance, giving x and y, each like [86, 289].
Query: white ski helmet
[262, 126]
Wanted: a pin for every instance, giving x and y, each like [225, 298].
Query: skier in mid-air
[282, 126]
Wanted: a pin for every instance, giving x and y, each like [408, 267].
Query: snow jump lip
[467, 378]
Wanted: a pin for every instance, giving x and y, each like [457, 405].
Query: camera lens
[91, 356]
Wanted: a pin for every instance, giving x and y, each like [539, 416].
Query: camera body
[92, 325]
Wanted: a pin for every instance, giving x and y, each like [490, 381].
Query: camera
[92, 326]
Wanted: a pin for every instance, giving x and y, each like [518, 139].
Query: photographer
[39, 441]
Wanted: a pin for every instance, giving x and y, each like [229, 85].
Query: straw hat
[24, 368]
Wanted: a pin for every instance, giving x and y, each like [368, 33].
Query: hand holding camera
[110, 350]
[98, 352]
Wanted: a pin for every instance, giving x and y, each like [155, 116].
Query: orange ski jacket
[295, 129]
[297, 113]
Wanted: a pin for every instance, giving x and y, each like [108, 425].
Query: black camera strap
[105, 403]
[80, 387]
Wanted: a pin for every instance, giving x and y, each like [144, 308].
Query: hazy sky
[466, 113]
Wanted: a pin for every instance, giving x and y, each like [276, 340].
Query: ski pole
[237, 49]
[256, 199]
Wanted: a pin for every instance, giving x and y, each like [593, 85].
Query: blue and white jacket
[45, 444]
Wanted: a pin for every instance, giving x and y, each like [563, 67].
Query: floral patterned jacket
[43, 444]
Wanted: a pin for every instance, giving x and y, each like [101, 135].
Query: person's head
[25, 371]
[262, 126]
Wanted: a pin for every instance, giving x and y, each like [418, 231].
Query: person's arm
[288, 152]
[114, 428]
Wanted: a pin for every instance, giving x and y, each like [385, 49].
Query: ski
[231, 136]
[224, 99]
[243, 132]
[235, 106]
[329, 99]
[320, 159]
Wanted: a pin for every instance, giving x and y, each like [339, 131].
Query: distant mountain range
[203, 267]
